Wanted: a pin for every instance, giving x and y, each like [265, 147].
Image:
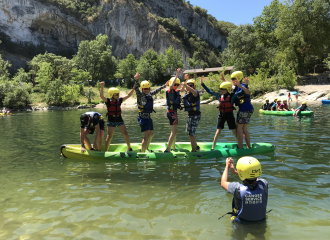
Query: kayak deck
[118, 151]
[286, 113]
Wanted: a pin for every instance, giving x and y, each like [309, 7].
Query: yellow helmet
[145, 84]
[238, 75]
[279, 100]
[112, 91]
[192, 81]
[275, 99]
[177, 81]
[226, 85]
[248, 168]
[267, 99]
[304, 102]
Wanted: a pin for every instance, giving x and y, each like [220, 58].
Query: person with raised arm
[114, 114]
[145, 104]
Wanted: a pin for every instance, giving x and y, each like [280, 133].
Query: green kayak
[118, 151]
[286, 113]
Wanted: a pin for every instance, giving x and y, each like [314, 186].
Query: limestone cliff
[130, 26]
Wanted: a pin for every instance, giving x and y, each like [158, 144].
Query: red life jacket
[225, 104]
[114, 108]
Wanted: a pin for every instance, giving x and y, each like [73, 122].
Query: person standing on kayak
[89, 122]
[145, 104]
[250, 197]
[226, 108]
[173, 100]
[243, 100]
[114, 115]
[191, 102]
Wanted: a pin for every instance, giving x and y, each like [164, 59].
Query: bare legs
[242, 130]
[172, 139]
[147, 139]
[111, 130]
[123, 130]
[193, 143]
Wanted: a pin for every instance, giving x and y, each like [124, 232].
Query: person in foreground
[192, 106]
[303, 107]
[89, 122]
[226, 109]
[145, 104]
[249, 197]
[114, 115]
[173, 100]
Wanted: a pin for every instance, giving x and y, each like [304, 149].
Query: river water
[45, 196]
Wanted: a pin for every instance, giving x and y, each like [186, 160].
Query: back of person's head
[248, 169]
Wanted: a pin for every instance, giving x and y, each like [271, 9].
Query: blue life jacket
[148, 107]
[191, 106]
[253, 203]
[91, 114]
[173, 100]
[242, 100]
[91, 126]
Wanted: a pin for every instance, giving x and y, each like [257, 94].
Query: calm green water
[44, 196]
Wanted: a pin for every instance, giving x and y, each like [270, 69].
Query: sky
[234, 11]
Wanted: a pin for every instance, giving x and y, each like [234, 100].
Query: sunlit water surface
[44, 196]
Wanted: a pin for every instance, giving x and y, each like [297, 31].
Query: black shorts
[92, 129]
[229, 117]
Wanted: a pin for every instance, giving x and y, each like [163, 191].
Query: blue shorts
[114, 124]
[145, 124]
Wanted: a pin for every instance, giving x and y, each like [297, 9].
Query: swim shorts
[173, 117]
[145, 124]
[114, 124]
[192, 124]
[244, 117]
[229, 117]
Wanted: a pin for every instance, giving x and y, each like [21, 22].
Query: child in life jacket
[145, 105]
[272, 104]
[266, 106]
[276, 105]
[114, 115]
[284, 106]
[303, 107]
[173, 100]
[89, 122]
[249, 197]
[225, 107]
[191, 102]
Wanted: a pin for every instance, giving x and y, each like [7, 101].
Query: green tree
[17, 95]
[303, 31]
[70, 94]
[127, 67]
[173, 59]
[90, 94]
[96, 58]
[4, 65]
[44, 75]
[22, 76]
[55, 92]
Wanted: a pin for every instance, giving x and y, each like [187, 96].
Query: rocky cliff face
[131, 28]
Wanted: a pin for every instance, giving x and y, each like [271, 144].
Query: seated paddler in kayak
[226, 108]
[276, 105]
[145, 105]
[191, 102]
[266, 106]
[249, 197]
[90, 122]
[303, 107]
[284, 106]
[114, 114]
[173, 100]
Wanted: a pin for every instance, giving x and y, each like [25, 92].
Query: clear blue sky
[234, 11]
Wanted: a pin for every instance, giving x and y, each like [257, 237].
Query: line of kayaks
[156, 151]
[286, 113]
[326, 101]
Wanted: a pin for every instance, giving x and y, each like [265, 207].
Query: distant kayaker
[266, 106]
[289, 97]
[114, 114]
[303, 107]
[173, 100]
[296, 97]
[250, 197]
[284, 106]
[191, 102]
[226, 108]
[145, 104]
[277, 104]
[90, 122]
[272, 104]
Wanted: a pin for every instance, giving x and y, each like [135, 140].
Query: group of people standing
[231, 93]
